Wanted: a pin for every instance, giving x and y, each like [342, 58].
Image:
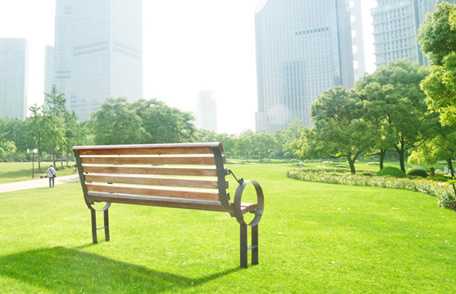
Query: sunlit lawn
[313, 238]
[22, 171]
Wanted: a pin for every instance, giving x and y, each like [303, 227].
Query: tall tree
[164, 124]
[54, 113]
[372, 93]
[340, 127]
[117, 123]
[438, 41]
[396, 104]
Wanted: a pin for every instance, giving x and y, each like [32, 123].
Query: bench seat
[163, 202]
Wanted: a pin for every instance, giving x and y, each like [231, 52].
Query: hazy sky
[189, 46]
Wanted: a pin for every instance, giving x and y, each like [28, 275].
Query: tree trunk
[53, 159]
[401, 153]
[382, 158]
[351, 163]
[451, 168]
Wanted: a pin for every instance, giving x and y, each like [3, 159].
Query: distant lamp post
[33, 152]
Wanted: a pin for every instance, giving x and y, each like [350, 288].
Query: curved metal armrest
[238, 213]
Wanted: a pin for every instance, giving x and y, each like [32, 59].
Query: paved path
[33, 184]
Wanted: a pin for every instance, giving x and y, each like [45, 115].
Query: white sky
[189, 46]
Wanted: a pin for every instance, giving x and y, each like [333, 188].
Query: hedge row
[442, 190]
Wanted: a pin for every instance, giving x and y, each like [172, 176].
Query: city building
[396, 26]
[357, 27]
[13, 78]
[206, 114]
[49, 71]
[303, 49]
[98, 52]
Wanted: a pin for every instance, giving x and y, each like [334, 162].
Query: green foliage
[438, 40]
[437, 36]
[164, 124]
[417, 172]
[448, 200]
[440, 88]
[396, 106]
[7, 148]
[117, 123]
[391, 171]
[120, 122]
[340, 128]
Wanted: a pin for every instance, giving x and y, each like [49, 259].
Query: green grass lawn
[313, 238]
[22, 171]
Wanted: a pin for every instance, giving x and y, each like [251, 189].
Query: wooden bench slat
[193, 183]
[164, 171]
[146, 151]
[149, 160]
[155, 201]
[153, 192]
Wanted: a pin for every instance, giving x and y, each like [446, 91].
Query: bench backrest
[174, 175]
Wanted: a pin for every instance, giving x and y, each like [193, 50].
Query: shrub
[439, 178]
[447, 200]
[417, 172]
[391, 171]
[442, 190]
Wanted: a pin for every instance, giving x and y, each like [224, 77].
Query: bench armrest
[238, 213]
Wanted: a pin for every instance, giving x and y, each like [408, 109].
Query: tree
[396, 106]
[164, 124]
[440, 144]
[437, 36]
[340, 128]
[292, 139]
[117, 123]
[36, 131]
[305, 146]
[7, 148]
[372, 93]
[230, 142]
[53, 123]
[438, 41]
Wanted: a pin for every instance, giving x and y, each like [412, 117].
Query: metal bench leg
[244, 247]
[106, 224]
[94, 225]
[255, 259]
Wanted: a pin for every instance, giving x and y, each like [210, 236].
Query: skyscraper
[98, 52]
[206, 115]
[304, 47]
[396, 25]
[13, 78]
[357, 27]
[49, 71]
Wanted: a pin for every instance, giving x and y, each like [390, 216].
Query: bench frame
[235, 209]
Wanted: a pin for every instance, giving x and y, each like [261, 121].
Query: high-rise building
[206, 115]
[98, 52]
[13, 78]
[303, 49]
[49, 71]
[357, 27]
[396, 25]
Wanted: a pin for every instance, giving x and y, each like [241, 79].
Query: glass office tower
[13, 78]
[304, 47]
[98, 52]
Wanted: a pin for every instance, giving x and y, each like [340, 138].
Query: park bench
[189, 176]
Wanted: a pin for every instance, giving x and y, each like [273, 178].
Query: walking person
[52, 173]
